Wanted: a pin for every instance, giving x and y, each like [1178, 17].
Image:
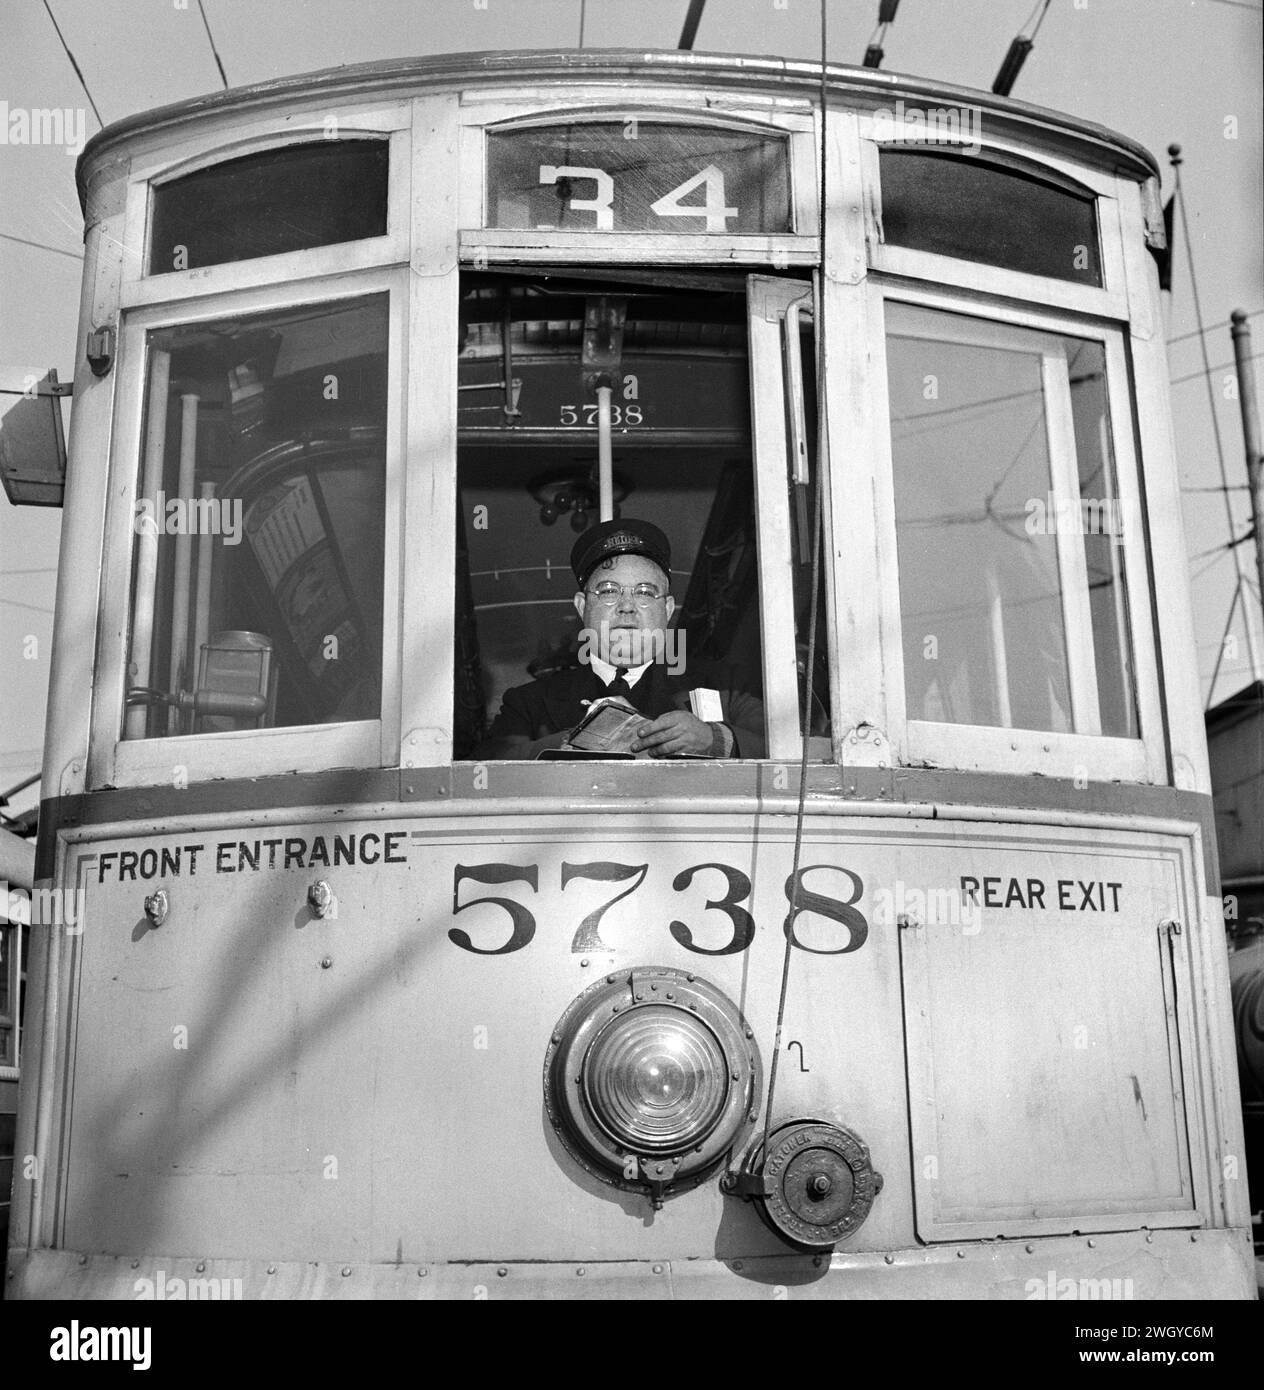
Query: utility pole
[1250, 435]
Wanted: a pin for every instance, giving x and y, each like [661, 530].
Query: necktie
[619, 686]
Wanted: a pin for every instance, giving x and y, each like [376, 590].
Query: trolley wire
[1208, 567]
[74, 64]
[1223, 323]
[822, 437]
[42, 246]
[1039, 21]
[210, 38]
[1224, 547]
[34, 607]
[1208, 371]
[1179, 194]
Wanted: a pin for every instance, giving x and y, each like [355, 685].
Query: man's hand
[672, 734]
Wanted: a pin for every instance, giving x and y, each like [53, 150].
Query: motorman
[623, 572]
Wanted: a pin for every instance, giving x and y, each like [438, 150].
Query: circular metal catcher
[651, 1078]
[819, 1184]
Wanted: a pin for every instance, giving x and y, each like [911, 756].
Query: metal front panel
[364, 1088]
[1126, 1266]
[1045, 1057]
[248, 1081]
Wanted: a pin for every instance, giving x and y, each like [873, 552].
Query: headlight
[651, 1077]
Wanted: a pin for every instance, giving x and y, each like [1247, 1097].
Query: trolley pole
[1251, 435]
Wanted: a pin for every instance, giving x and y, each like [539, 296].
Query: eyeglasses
[607, 592]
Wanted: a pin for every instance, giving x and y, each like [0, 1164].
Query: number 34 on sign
[713, 209]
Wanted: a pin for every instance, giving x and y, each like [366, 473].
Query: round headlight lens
[651, 1078]
[656, 1079]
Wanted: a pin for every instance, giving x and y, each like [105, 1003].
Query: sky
[1159, 71]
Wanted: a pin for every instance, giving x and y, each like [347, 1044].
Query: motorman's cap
[624, 537]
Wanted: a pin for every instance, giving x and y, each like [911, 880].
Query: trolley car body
[308, 1032]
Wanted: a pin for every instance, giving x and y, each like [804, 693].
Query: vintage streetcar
[922, 992]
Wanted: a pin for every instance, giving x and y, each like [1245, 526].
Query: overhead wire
[210, 38]
[34, 607]
[1043, 7]
[815, 526]
[1223, 323]
[1179, 194]
[42, 246]
[78, 71]
[1207, 371]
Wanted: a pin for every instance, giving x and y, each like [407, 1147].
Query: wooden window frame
[392, 123]
[1081, 753]
[1110, 300]
[114, 761]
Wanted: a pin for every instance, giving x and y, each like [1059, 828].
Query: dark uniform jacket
[554, 705]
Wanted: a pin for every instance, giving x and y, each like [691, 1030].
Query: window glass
[528, 490]
[291, 199]
[635, 175]
[981, 212]
[1010, 529]
[257, 585]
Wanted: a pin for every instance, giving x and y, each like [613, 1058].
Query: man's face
[624, 624]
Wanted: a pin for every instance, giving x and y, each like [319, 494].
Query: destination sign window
[636, 175]
[259, 523]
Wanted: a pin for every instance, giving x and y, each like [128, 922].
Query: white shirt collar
[606, 672]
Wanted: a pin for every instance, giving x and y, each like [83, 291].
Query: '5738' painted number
[737, 890]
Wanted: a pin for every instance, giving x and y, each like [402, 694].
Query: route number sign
[638, 176]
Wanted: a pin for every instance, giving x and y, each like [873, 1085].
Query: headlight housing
[651, 1078]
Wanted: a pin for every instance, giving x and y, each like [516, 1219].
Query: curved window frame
[140, 288]
[1018, 172]
[1110, 299]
